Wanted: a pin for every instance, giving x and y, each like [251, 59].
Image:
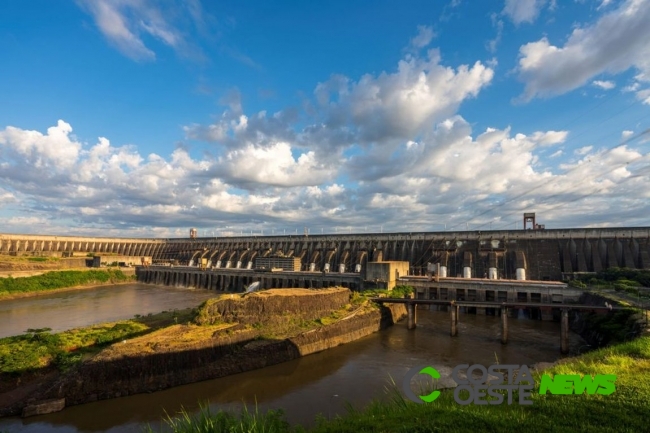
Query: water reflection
[72, 309]
[323, 382]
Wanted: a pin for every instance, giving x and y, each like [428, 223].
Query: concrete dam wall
[507, 254]
[541, 254]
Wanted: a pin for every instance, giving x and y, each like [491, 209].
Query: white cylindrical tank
[342, 268]
[228, 264]
[249, 265]
[521, 274]
[467, 272]
[492, 274]
[238, 264]
[357, 268]
[209, 264]
[218, 264]
[312, 267]
[443, 271]
[327, 267]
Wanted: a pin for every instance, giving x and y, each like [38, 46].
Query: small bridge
[454, 307]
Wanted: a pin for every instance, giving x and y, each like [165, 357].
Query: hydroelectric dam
[542, 255]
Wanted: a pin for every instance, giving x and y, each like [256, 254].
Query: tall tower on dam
[551, 254]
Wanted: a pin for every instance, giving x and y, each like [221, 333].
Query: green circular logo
[406, 385]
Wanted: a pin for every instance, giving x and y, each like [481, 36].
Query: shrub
[578, 284]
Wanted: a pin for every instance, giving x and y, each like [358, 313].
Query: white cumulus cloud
[617, 41]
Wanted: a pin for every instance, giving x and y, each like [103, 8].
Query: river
[320, 383]
[75, 308]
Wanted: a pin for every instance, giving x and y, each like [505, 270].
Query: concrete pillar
[453, 318]
[411, 321]
[467, 272]
[443, 271]
[521, 274]
[492, 273]
[504, 324]
[564, 344]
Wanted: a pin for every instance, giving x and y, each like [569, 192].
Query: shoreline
[171, 363]
[12, 296]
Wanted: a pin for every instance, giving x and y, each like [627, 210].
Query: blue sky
[146, 118]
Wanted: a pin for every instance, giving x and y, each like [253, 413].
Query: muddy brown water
[321, 383]
[72, 309]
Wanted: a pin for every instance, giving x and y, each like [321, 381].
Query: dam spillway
[551, 254]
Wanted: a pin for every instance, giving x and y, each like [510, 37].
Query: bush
[578, 284]
[629, 283]
[400, 291]
[624, 276]
[632, 290]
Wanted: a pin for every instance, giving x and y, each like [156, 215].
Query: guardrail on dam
[551, 254]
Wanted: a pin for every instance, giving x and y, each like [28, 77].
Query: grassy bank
[626, 410]
[58, 280]
[39, 349]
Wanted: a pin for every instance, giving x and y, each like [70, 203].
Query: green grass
[38, 348]
[38, 259]
[626, 410]
[58, 280]
[227, 422]
[396, 292]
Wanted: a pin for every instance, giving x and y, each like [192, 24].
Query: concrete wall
[546, 254]
[113, 375]
[128, 260]
[46, 245]
[386, 273]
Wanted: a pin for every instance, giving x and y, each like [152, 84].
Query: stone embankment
[602, 329]
[232, 335]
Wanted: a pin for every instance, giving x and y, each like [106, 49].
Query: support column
[564, 344]
[504, 324]
[453, 316]
[411, 321]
